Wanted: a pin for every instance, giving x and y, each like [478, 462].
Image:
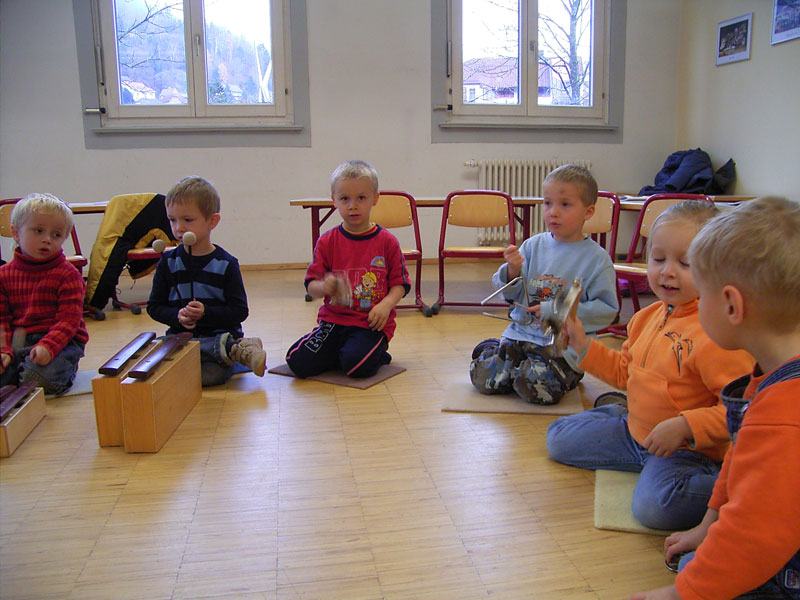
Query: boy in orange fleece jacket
[747, 267]
[673, 431]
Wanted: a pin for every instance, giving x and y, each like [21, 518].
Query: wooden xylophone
[140, 404]
[21, 409]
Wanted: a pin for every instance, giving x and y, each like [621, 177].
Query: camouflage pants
[525, 368]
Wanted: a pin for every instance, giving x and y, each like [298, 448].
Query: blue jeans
[784, 585]
[55, 377]
[215, 365]
[671, 493]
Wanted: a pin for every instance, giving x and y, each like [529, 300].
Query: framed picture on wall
[785, 21]
[733, 39]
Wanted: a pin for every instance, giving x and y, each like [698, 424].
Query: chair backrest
[651, 209]
[393, 210]
[479, 208]
[604, 222]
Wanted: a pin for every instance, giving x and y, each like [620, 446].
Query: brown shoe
[250, 353]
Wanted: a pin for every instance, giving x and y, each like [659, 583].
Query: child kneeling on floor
[359, 269]
[672, 429]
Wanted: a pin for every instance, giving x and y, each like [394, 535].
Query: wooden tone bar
[21, 420]
[152, 409]
[108, 397]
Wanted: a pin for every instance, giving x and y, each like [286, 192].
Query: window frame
[528, 110]
[449, 126]
[289, 130]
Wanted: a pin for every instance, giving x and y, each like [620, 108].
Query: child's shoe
[612, 398]
[250, 352]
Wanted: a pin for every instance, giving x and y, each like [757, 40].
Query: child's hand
[536, 310]
[514, 259]
[664, 593]
[575, 335]
[668, 436]
[184, 319]
[195, 310]
[378, 316]
[40, 355]
[330, 284]
[686, 541]
[5, 360]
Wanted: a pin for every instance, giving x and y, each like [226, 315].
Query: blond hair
[578, 176]
[39, 203]
[197, 190]
[756, 248]
[696, 212]
[355, 169]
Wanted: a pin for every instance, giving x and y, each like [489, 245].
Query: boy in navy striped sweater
[199, 287]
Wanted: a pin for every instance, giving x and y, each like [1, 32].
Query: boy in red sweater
[747, 268]
[42, 333]
[359, 270]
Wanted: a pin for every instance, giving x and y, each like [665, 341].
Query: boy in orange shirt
[673, 431]
[747, 267]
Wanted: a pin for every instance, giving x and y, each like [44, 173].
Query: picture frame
[785, 21]
[733, 39]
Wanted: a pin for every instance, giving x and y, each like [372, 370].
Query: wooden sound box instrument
[21, 409]
[106, 388]
[159, 391]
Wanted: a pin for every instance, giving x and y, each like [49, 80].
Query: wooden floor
[280, 488]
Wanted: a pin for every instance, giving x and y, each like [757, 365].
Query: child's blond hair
[197, 190]
[578, 176]
[355, 169]
[38, 203]
[696, 212]
[756, 248]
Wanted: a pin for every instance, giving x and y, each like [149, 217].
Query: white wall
[370, 98]
[746, 110]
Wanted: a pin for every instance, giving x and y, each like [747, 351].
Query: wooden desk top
[86, 208]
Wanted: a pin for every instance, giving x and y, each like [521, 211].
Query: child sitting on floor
[747, 268]
[215, 312]
[523, 360]
[41, 294]
[673, 429]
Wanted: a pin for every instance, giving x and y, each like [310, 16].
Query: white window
[194, 63]
[529, 62]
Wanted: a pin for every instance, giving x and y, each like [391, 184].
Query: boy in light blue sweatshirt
[524, 360]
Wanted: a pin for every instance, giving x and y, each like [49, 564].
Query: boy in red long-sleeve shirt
[42, 333]
[746, 266]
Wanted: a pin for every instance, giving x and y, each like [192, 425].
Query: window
[528, 63]
[193, 63]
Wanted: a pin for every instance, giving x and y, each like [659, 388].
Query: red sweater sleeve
[69, 299]
[758, 529]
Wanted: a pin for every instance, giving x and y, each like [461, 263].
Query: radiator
[516, 178]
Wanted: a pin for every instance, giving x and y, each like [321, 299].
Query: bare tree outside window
[492, 51]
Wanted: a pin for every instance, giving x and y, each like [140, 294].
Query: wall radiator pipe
[517, 178]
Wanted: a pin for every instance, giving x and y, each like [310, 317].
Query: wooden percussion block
[18, 423]
[153, 408]
[108, 400]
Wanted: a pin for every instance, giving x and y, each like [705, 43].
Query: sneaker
[477, 350]
[612, 398]
[250, 353]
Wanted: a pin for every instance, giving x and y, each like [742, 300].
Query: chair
[633, 269]
[473, 208]
[131, 223]
[399, 209]
[603, 225]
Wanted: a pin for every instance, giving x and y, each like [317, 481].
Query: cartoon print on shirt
[680, 344]
[542, 288]
[365, 291]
